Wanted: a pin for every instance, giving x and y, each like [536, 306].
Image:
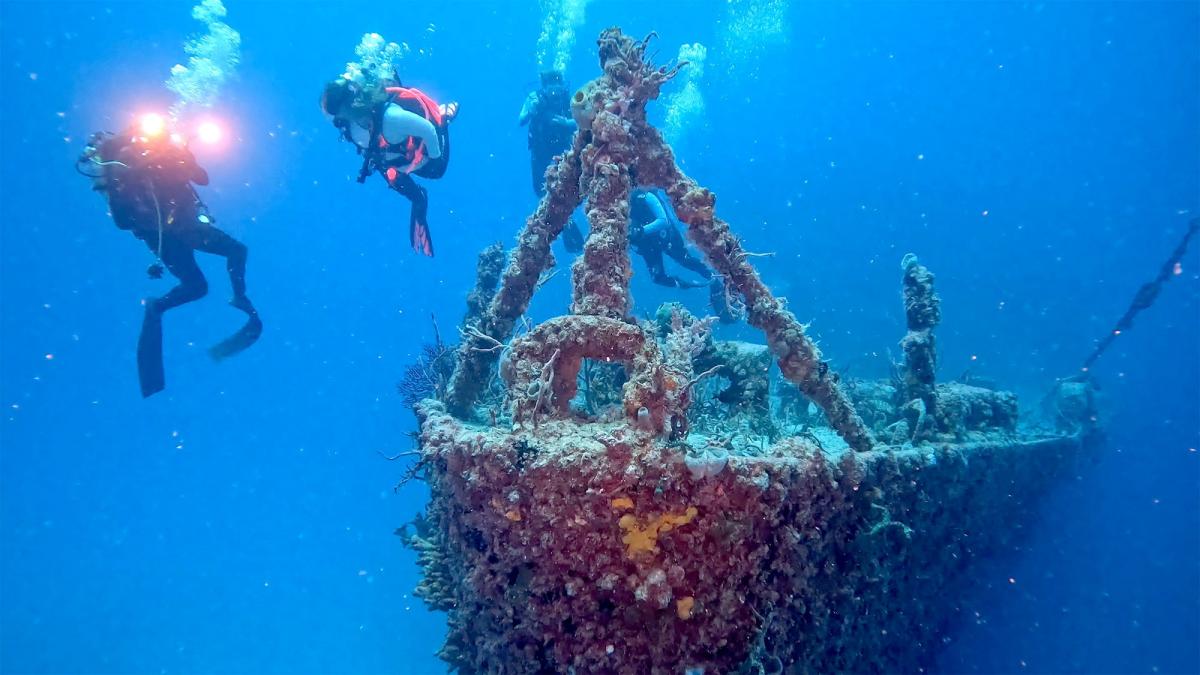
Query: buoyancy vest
[412, 149]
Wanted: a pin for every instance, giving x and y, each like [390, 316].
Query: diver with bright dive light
[147, 175]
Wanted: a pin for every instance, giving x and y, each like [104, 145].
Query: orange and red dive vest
[412, 148]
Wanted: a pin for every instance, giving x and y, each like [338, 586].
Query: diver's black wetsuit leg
[436, 168]
[652, 252]
[181, 261]
[418, 226]
[718, 297]
[680, 254]
[209, 239]
[443, 162]
[658, 272]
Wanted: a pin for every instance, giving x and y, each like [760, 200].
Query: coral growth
[922, 309]
[427, 377]
[740, 369]
[613, 138]
[531, 257]
[430, 375]
[624, 561]
[641, 535]
[799, 359]
[487, 276]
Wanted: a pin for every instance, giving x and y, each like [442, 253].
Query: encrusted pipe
[487, 276]
[799, 359]
[528, 260]
[601, 275]
[922, 310]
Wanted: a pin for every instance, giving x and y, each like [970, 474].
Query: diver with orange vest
[400, 132]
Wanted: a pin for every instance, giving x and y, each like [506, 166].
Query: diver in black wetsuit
[547, 111]
[148, 181]
[652, 232]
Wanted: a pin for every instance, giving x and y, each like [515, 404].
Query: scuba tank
[131, 190]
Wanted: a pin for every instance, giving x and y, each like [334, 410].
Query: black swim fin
[149, 353]
[247, 335]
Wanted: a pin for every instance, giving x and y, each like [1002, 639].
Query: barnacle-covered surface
[617, 496]
[599, 547]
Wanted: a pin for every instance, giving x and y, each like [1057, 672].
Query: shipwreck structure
[622, 497]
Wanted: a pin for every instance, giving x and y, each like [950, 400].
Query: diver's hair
[336, 96]
[551, 78]
[343, 97]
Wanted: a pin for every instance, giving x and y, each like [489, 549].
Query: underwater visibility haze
[851, 423]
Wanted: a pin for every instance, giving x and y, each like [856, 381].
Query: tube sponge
[212, 58]
[377, 61]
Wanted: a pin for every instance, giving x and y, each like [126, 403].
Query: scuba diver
[653, 232]
[547, 111]
[147, 176]
[400, 132]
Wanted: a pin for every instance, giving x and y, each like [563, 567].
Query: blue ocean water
[1042, 159]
